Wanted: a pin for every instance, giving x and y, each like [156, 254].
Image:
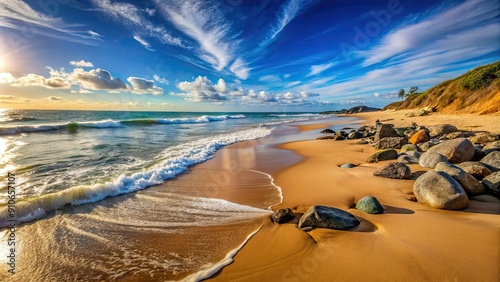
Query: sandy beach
[409, 241]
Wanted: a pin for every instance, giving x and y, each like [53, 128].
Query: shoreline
[383, 246]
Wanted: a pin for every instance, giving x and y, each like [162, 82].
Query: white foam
[201, 119]
[175, 161]
[293, 115]
[109, 123]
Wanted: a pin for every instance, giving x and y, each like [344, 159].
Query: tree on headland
[402, 93]
[413, 90]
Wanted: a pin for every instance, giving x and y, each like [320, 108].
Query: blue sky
[236, 55]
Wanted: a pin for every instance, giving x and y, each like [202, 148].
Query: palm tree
[413, 90]
[401, 93]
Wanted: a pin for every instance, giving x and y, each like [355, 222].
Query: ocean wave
[109, 123]
[174, 161]
[293, 115]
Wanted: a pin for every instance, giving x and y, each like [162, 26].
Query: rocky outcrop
[394, 170]
[370, 204]
[430, 160]
[439, 190]
[470, 184]
[283, 215]
[327, 217]
[456, 151]
[383, 155]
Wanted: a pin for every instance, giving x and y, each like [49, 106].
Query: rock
[339, 137]
[283, 215]
[394, 170]
[383, 155]
[483, 138]
[341, 133]
[456, 151]
[423, 147]
[409, 147]
[370, 204]
[478, 170]
[327, 217]
[355, 135]
[326, 137]
[348, 165]
[409, 133]
[385, 130]
[454, 135]
[470, 184]
[414, 154]
[491, 146]
[492, 161]
[486, 199]
[430, 160]
[390, 143]
[361, 142]
[405, 159]
[439, 190]
[327, 131]
[492, 182]
[401, 131]
[478, 154]
[439, 129]
[419, 137]
[361, 129]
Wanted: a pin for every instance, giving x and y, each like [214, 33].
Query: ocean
[98, 194]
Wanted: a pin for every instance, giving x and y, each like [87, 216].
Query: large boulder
[478, 170]
[370, 204]
[385, 130]
[430, 160]
[423, 147]
[391, 143]
[327, 217]
[492, 161]
[456, 151]
[492, 182]
[419, 137]
[439, 129]
[394, 170]
[470, 184]
[283, 215]
[383, 155]
[439, 190]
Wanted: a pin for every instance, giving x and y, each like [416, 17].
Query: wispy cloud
[143, 42]
[288, 12]
[469, 14]
[20, 16]
[317, 69]
[270, 78]
[132, 16]
[81, 64]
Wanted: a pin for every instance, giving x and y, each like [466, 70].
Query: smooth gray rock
[383, 155]
[327, 217]
[283, 215]
[430, 160]
[439, 190]
[394, 170]
[348, 165]
[492, 182]
[439, 129]
[492, 161]
[478, 170]
[406, 159]
[456, 151]
[391, 143]
[385, 130]
[370, 204]
[470, 184]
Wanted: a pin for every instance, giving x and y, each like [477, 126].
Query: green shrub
[480, 77]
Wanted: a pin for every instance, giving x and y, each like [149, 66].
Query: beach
[409, 241]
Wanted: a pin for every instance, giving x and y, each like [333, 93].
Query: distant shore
[410, 241]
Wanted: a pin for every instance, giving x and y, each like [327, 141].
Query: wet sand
[409, 241]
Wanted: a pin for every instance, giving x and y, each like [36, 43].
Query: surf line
[11, 211]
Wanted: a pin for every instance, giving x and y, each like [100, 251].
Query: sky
[236, 55]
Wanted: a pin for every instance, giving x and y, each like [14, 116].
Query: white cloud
[161, 80]
[97, 79]
[81, 64]
[376, 94]
[6, 78]
[240, 69]
[287, 75]
[288, 12]
[469, 14]
[143, 42]
[270, 78]
[144, 86]
[10, 99]
[317, 69]
[293, 83]
[19, 15]
[35, 80]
